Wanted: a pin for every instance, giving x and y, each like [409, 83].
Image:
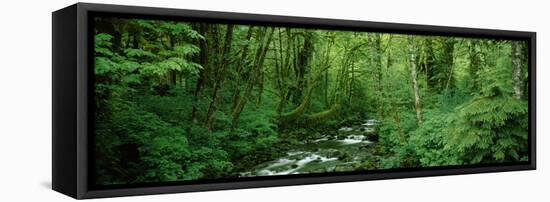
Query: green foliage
[431, 139]
[152, 147]
[490, 129]
[396, 132]
[185, 101]
[102, 44]
[252, 141]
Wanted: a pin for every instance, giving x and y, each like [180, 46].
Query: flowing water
[350, 149]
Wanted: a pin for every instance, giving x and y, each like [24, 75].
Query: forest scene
[178, 101]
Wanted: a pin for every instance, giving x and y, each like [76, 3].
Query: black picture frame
[72, 99]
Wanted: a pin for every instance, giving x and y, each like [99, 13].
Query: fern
[490, 128]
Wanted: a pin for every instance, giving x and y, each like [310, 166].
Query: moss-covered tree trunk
[377, 60]
[220, 75]
[414, 78]
[447, 61]
[302, 68]
[203, 61]
[517, 63]
[259, 58]
[429, 65]
[241, 66]
[285, 65]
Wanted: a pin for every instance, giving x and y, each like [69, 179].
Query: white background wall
[25, 99]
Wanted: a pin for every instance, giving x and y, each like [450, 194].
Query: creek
[350, 148]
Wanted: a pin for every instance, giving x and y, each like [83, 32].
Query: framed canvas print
[154, 100]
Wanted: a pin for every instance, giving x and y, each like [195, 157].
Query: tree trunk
[325, 92]
[256, 68]
[389, 61]
[285, 69]
[429, 64]
[448, 61]
[109, 26]
[242, 63]
[295, 114]
[220, 76]
[203, 61]
[517, 63]
[342, 78]
[302, 67]
[378, 65]
[351, 82]
[313, 119]
[412, 63]
[260, 88]
[475, 63]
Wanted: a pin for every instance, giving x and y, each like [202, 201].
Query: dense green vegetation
[185, 101]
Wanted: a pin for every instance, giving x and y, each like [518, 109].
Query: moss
[324, 115]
